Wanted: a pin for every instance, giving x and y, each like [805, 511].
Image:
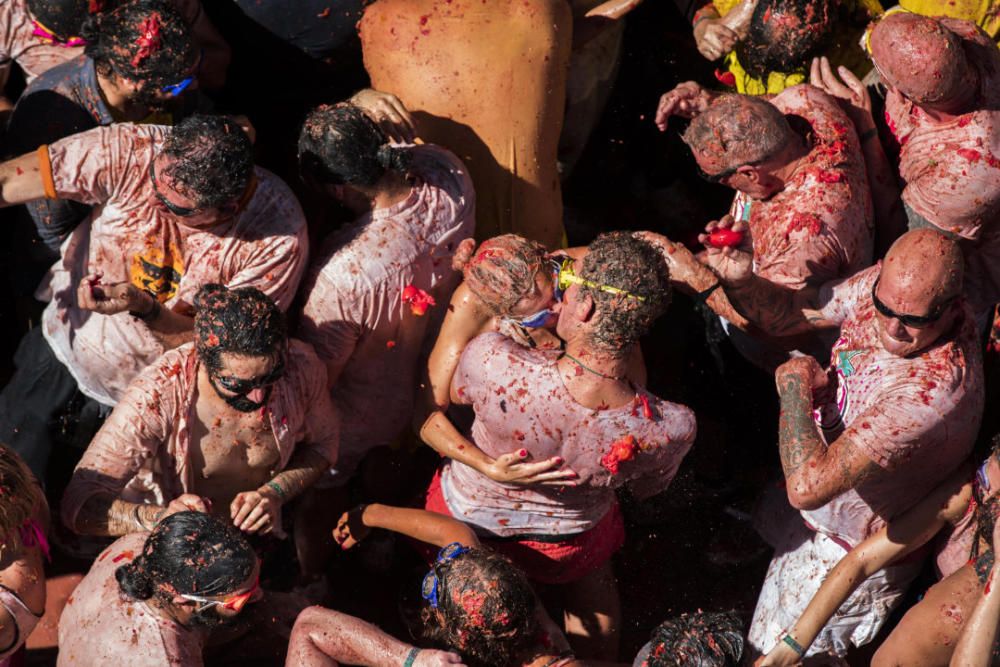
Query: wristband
[149, 315]
[702, 296]
[795, 646]
[865, 136]
[411, 656]
[274, 486]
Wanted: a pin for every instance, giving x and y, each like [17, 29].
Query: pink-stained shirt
[354, 314]
[142, 454]
[916, 417]
[128, 238]
[952, 168]
[34, 54]
[101, 626]
[520, 402]
[820, 227]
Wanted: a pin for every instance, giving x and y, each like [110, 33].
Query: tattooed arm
[111, 517]
[814, 473]
[775, 309]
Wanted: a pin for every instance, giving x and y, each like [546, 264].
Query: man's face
[896, 298]
[755, 181]
[572, 314]
[173, 202]
[541, 300]
[245, 382]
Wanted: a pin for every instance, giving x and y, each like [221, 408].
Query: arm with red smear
[421, 525]
[978, 640]
[326, 638]
[814, 472]
[890, 218]
[467, 318]
[901, 536]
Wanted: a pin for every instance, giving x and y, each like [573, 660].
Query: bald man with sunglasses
[898, 410]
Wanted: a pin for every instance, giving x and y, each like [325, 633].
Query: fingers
[262, 525]
[816, 74]
[241, 507]
[725, 38]
[195, 503]
[405, 124]
[834, 85]
[565, 477]
[525, 470]
[259, 510]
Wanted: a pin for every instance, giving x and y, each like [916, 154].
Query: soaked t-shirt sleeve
[903, 421]
[134, 433]
[673, 439]
[88, 167]
[837, 300]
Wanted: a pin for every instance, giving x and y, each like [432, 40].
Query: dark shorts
[42, 409]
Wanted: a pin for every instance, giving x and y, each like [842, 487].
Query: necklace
[617, 378]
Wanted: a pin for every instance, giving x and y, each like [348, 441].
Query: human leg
[592, 615]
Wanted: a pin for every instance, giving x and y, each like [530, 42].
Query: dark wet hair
[20, 496]
[697, 640]
[242, 321]
[145, 41]
[193, 554]
[502, 270]
[618, 259]
[340, 145]
[212, 159]
[784, 35]
[65, 18]
[487, 609]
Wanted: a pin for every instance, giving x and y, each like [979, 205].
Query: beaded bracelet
[411, 657]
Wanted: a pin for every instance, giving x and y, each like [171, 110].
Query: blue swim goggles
[176, 89]
[431, 585]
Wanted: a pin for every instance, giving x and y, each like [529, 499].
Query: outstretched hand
[681, 263]
[687, 100]
[388, 112]
[846, 87]
[351, 528]
[733, 264]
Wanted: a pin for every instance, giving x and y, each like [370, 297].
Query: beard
[208, 618]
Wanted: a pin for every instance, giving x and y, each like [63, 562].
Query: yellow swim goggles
[567, 277]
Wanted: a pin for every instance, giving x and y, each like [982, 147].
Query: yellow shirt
[846, 53]
[984, 13]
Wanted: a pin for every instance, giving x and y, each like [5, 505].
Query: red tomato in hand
[725, 238]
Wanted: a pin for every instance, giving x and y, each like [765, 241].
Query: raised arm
[326, 638]
[465, 320]
[890, 219]
[903, 535]
[21, 180]
[776, 310]
[170, 327]
[421, 525]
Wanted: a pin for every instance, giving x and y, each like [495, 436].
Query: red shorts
[561, 562]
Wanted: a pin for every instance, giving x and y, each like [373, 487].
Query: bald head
[925, 265]
[921, 58]
[736, 130]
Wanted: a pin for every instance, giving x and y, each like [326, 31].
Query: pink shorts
[551, 562]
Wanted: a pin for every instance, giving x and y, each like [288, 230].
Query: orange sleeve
[45, 169]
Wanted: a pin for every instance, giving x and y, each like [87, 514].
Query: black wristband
[865, 136]
[149, 315]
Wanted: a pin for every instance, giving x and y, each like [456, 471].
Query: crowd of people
[292, 281]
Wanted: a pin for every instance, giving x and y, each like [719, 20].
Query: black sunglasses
[717, 178]
[242, 387]
[181, 211]
[915, 321]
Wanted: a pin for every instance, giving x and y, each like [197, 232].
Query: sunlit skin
[760, 182]
[911, 294]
